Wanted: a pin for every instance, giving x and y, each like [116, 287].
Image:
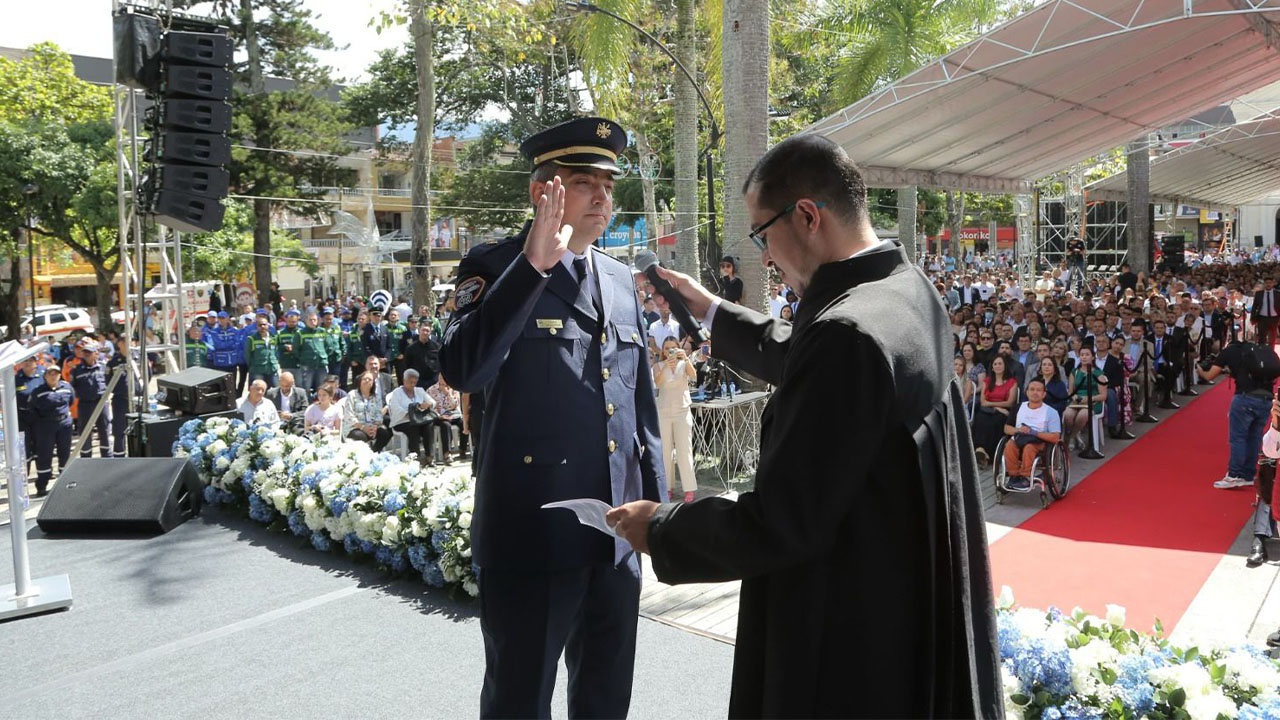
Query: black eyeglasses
[756, 235]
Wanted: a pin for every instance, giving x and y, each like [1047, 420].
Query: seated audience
[1035, 425]
[363, 414]
[324, 416]
[255, 408]
[448, 416]
[409, 407]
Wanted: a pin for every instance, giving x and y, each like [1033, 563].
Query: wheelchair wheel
[998, 474]
[1057, 476]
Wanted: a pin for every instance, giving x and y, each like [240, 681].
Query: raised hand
[548, 239]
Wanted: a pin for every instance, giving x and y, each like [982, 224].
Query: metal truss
[1074, 213]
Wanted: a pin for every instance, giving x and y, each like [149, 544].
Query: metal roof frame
[1065, 81]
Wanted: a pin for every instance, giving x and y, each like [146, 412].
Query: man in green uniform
[335, 341]
[195, 347]
[289, 342]
[395, 341]
[354, 363]
[260, 354]
[313, 354]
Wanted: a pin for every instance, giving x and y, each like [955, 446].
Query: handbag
[1024, 439]
[418, 416]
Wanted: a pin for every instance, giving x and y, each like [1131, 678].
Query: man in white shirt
[776, 300]
[1037, 424]
[665, 327]
[255, 408]
[985, 288]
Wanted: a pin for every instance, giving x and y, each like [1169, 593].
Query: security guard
[313, 354]
[548, 327]
[395, 341]
[27, 375]
[260, 353]
[374, 335]
[51, 424]
[120, 397]
[289, 344]
[89, 380]
[196, 348]
[226, 347]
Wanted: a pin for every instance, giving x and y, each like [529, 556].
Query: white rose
[391, 530]
[467, 505]
[464, 520]
[268, 486]
[450, 573]
[1004, 600]
[309, 503]
[473, 590]
[1210, 706]
[1115, 615]
[418, 529]
[314, 520]
[280, 498]
[222, 463]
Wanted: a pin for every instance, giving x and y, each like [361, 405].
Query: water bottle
[153, 402]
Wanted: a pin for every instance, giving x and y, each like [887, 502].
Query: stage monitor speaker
[153, 434]
[136, 495]
[1257, 241]
[197, 391]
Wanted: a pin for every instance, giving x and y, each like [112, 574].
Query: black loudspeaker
[153, 434]
[136, 495]
[137, 39]
[187, 213]
[195, 148]
[198, 48]
[1172, 247]
[1257, 241]
[197, 391]
[190, 179]
[210, 116]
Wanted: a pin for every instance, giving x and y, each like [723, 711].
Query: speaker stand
[44, 595]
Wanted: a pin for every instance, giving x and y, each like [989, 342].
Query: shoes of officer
[1258, 553]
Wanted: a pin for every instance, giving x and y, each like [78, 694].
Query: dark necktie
[580, 274]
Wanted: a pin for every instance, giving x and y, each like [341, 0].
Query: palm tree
[744, 51]
[890, 38]
[422, 32]
[686, 141]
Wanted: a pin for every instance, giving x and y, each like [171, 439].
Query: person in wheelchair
[1036, 425]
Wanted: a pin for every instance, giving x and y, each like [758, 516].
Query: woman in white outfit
[672, 374]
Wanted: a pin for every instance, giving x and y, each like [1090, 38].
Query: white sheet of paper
[590, 512]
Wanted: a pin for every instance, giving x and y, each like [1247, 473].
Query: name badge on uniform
[552, 323]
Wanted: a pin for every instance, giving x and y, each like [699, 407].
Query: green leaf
[1108, 675]
[1020, 699]
[1178, 697]
[1042, 697]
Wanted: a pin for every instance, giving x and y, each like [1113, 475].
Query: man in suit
[1266, 311]
[1167, 362]
[1140, 350]
[549, 328]
[383, 384]
[374, 335]
[289, 399]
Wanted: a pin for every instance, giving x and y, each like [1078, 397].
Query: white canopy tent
[1059, 84]
[1234, 166]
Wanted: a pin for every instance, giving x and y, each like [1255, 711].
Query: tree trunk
[686, 141]
[646, 187]
[261, 249]
[955, 221]
[261, 208]
[1138, 174]
[423, 56]
[103, 293]
[745, 70]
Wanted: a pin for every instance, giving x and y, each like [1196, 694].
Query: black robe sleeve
[751, 340]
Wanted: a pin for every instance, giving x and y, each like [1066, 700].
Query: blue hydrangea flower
[260, 509]
[320, 541]
[392, 502]
[351, 543]
[1051, 713]
[433, 575]
[441, 540]
[1073, 710]
[298, 525]
[419, 556]
[368, 547]
[1038, 662]
[1266, 710]
[1007, 635]
[210, 495]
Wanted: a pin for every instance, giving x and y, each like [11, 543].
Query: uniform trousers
[675, 427]
[309, 379]
[47, 438]
[271, 379]
[242, 377]
[102, 427]
[119, 421]
[529, 618]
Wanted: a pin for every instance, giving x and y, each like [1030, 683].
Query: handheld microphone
[647, 263]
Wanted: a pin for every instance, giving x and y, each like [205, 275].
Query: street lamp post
[29, 190]
[713, 141]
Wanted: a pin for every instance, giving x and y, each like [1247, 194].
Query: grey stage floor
[221, 618]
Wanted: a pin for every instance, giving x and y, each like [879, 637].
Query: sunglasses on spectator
[757, 235]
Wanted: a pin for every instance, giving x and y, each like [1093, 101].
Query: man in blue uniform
[27, 375]
[89, 380]
[548, 327]
[374, 335]
[226, 346]
[119, 400]
[51, 424]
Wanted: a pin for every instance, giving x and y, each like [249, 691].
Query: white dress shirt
[263, 412]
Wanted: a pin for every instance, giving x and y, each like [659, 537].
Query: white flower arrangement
[338, 492]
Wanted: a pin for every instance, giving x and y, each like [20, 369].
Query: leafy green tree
[273, 121]
[227, 253]
[42, 84]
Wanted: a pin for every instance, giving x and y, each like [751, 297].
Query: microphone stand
[1144, 360]
[1188, 375]
[1122, 432]
[1090, 451]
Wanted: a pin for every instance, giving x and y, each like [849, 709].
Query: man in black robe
[866, 588]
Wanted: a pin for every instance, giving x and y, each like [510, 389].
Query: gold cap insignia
[603, 130]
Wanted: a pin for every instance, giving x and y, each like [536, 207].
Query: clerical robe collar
[832, 279]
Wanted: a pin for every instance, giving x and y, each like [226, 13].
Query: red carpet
[1143, 531]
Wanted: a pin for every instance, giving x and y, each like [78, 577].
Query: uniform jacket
[197, 352]
[51, 406]
[226, 347]
[569, 404]
[395, 338]
[374, 337]
[260, 353]
[355, 345]
[24, 384]
[335, 343]
[313, 347]
[288, 346]
[865, 527]
[89, 381]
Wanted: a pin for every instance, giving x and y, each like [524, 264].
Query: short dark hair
[1037, 379]
[809, 166]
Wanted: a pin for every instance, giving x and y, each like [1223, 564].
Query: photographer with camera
[1254, 369]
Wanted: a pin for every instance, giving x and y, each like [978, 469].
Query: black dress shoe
[1258, 553]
